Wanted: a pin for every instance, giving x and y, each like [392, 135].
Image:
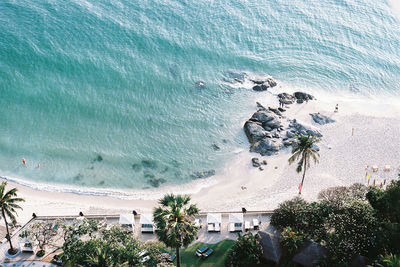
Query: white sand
[343, 160]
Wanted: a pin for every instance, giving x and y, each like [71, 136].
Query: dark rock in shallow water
[203, 174]
[155, 182]
[261, 168]
[148, 174]
[216, 147]
[264, 162]
[263, 85]
[166, 168]
[286, 98]
[101, 183]
[98, 158]
[321, 119]
[255, 162]
[78, 177]
[299, 101]
[148, 163]
[136, 167]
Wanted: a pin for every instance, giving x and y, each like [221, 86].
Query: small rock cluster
[263, 85]
[321, 119]
[257, 164]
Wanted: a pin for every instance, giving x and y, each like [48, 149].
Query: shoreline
[342, 155]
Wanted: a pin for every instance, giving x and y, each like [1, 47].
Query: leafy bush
[389, 260]
[387, 204]
[351, 231]
[340, 195]
[246, 251]
[291, 240]
[40, 253]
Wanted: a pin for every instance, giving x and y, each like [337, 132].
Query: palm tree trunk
[178, 257]
[8, 232]
[304, 174]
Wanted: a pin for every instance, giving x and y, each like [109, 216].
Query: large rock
[272, 124]
[304, 129]
[266, 147]
[321, 119]
[303, 96]
[286, 98]
[262, 87]
[254, 131]
[263, 84]
[263, 116]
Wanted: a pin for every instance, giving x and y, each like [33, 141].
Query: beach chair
[208, 253]
[172, 258]
[256, 224]
[247, 225]
[199, 252]
[232, 227]
[210, 227]
[217, 227]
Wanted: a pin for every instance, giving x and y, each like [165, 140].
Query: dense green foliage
[246, 251]
[8, 205]
[387, 204]
[114, 247]
[174, 219]
[342, 221]
[291, 240]
[389, 260]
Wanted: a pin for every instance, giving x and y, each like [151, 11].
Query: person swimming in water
[23, 161]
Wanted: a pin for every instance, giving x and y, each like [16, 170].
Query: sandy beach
[343, 160]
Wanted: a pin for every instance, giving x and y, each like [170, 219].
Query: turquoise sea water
[118, 79]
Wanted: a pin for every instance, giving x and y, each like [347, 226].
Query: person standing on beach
[337, 108]
[306, 98]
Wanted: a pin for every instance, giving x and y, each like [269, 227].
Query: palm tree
[174, 219]
[303, 150]
[8, 204]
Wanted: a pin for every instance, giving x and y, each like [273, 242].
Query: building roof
[214, 218]
[127, 219]
[146, 218]
[236, 217]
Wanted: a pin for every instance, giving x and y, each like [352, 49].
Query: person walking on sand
[306, 98]
[337, 108]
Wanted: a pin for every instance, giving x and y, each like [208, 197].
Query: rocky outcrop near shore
[268, 130]
[263, 84]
